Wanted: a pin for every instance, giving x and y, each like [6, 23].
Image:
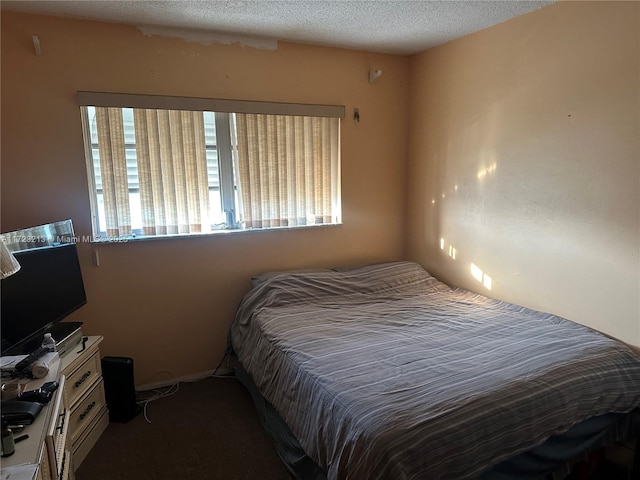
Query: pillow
[348, 268]
[263, 277]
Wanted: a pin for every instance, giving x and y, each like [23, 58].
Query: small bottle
[49, 343]
[8, 446]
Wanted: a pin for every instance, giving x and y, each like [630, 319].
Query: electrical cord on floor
[227, 354]
[157, 395]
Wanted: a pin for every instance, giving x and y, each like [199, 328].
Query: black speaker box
[119, 388]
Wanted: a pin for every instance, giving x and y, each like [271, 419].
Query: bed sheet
[385, 372]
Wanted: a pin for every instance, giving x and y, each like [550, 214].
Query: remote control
[32, 357]
[49, 387]
[40, 395]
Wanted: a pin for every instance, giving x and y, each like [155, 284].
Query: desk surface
[30, 450]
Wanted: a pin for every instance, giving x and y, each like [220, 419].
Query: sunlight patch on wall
[486, 171]
[451, 251]
[480, 276]
[443, 195]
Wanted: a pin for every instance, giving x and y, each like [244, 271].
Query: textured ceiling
[397, 26]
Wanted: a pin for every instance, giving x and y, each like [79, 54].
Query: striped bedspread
[383, 372]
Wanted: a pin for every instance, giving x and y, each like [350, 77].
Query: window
[171, 165]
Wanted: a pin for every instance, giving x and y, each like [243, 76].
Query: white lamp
[8, 263]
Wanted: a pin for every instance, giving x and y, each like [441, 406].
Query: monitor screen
[46, 289]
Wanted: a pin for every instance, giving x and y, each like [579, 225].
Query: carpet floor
[208, 430]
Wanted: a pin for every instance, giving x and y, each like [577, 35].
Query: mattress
[385, 372]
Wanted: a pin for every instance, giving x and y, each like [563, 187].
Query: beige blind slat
[285, 168]
[172, 171]
[113, 166]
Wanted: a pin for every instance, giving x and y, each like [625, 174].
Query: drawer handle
[63, 417]
[82, 379]
[86, 412]
[64, 464]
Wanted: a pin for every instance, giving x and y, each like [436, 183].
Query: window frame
[223, 109]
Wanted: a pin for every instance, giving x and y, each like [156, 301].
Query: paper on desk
[24, 471]
[39, 368]
[9, 361]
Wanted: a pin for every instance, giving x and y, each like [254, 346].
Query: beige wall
[531, 131]
[169, 303]
[535, 121]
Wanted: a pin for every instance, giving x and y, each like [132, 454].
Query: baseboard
[222, 372]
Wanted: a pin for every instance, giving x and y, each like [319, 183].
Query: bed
[384, 372]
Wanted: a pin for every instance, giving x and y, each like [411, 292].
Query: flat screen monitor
[46, 289]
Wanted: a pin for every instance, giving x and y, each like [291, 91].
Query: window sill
[144, 238]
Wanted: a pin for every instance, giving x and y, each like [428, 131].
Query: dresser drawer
[67, 471]
[56, 434]
[80, 381]
[85, 442]
[86, 410]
